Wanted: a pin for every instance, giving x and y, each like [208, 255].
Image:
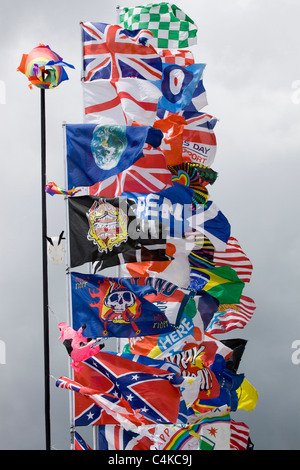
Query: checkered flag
[170, 26]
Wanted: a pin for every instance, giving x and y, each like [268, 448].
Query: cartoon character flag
[115, 307]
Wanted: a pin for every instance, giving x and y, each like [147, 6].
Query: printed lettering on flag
[170, 26]
[189, 333]
[115, 307]
[169, 208]
[110, 52]
[199, 140]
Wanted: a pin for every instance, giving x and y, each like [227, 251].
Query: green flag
[170, 26]
[224, 284]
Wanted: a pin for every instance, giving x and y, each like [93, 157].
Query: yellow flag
[247, 396]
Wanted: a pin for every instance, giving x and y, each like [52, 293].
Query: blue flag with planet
[96, 152]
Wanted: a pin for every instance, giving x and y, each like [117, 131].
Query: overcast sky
[253, 70]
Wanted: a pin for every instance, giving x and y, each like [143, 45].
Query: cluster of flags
[152, 260]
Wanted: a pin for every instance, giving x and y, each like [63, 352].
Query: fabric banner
[170, 26]
[231, 316]
[211, 223]
[115, 307]
[126, 102]
[105, 230]
[189, 333]
[178, 85]
[199, 139]
[112, 53]
[95, 153]
[148, 389]
[234, 257]
[171, 208]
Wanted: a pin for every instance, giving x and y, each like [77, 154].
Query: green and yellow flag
[224, 284]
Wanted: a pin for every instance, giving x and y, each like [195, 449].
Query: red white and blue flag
[131, 388]
[118, 68]
[234, 257]
[112, 52]
[149, 174]
[199, 140]
[231, 316]
[124, 102]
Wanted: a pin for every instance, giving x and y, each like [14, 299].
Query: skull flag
[115, 307]
[106, 231]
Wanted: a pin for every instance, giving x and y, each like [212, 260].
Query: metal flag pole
[45, 275]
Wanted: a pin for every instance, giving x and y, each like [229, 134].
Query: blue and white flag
[178, 85]
[168, 209]
[213, 224]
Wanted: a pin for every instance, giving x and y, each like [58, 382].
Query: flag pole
[45, 274]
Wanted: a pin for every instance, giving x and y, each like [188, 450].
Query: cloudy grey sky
[252, 74]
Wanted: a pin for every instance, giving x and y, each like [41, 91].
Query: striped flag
[231, 316]
[239, 436]
[236, 259]
[127, 101]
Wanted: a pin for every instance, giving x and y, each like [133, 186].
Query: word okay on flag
[170, 26]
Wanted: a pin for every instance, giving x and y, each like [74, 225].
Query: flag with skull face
[115, 307]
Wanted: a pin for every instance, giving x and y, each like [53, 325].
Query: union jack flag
[199, 140]
[112, 52]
